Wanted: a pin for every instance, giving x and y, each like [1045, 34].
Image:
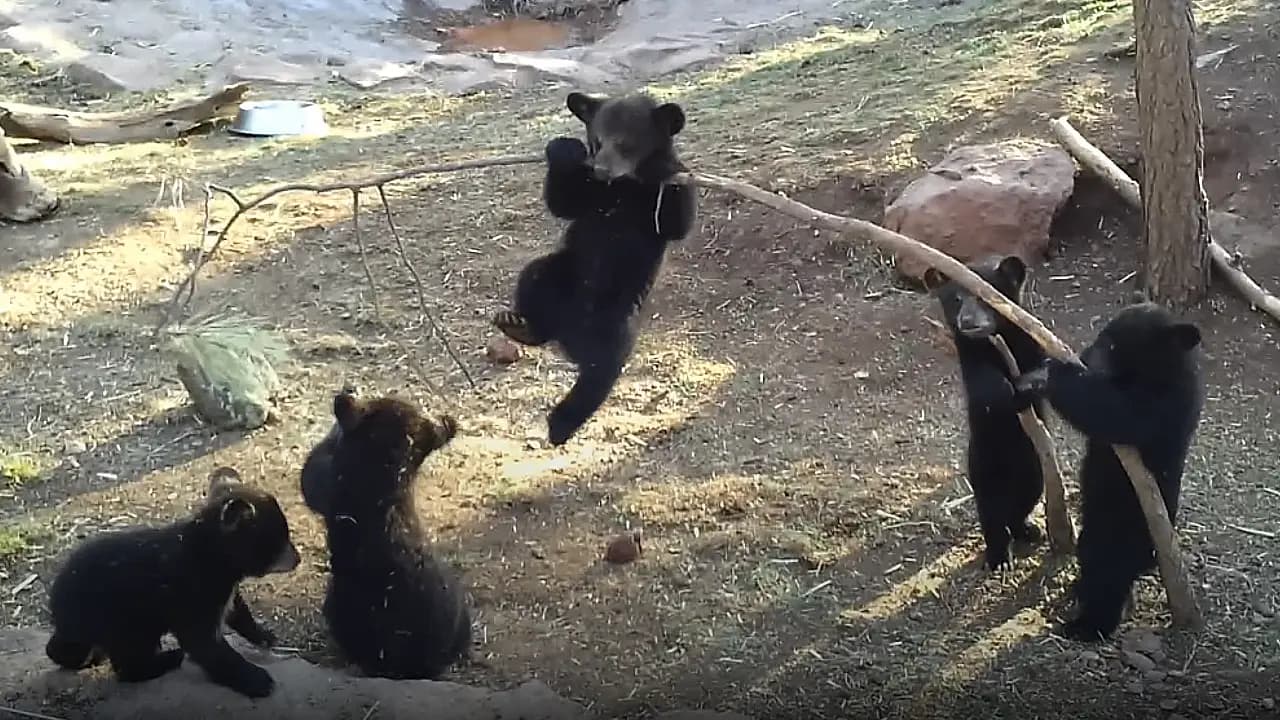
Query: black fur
[392, 609]
[586, 295]
[1143, 388]
[118, 594]
[1004, 468]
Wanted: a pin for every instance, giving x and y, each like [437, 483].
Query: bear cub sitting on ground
[1141, 386]
[586, 295]
[392, 609]
[118, 594]
[1004, 469]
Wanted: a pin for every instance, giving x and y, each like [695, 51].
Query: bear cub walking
[118, 594]
[392, 609]
[586, 296]
[1004, 468]
[1141, 386]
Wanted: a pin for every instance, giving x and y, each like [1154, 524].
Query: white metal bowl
[264, 118]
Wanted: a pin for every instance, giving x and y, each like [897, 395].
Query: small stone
[74, 447]
[1168, 704]
[1268, 703]
[1153, 676]
[623, 549]
[502, 351]
[1134, 688]
[1143, 641]
[1138, 661]
[1090, 656]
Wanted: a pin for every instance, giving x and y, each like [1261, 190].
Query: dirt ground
[788, 435]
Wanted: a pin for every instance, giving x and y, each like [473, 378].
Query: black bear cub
[392, 609]
[1141, 386]
[586, 296]
[1004, 468]
[118, 594]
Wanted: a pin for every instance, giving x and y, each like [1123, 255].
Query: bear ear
[1185, 335]
[669, 117]
[934, 279]
[347, 410]
[236, 512]
[583, 106]
[221, 477]
[1013, 269]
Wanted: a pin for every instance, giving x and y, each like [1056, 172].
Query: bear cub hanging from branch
[119, 593]
[1004, 469]
[1141, 386]
[587, 295]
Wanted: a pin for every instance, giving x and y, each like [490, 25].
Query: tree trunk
[1174, 207]
[23, 198]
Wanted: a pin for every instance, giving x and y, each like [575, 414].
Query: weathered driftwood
[83, 128]
[1057, 522]
[1096, 162]
[23, 196]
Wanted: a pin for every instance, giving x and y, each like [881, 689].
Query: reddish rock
[502, 351]
[984, 200]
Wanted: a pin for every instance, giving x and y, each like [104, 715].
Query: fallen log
[23, 197]
[83, 128]
[1097, 162]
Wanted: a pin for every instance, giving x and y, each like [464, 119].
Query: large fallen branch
[83, 128]
[1096, 162]
[23, 197]
[1057, 522]
[1182, 602]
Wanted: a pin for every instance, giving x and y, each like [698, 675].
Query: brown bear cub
[393, 610]
[119, 593]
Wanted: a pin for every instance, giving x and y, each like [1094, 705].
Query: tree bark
[23, 197]
[1174, 206]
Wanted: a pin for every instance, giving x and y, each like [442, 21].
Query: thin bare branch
[437, 330]
[364, 258]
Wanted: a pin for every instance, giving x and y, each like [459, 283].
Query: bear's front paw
[566, 152]
[1033, 382]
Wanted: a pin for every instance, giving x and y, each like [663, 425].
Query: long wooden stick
[1182, 602]
[1097, 162]
[1057, 522]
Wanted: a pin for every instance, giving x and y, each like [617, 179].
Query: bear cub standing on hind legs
[1141, 386]
[1004, 469]
[392, 609]
[586, 295]
[118, 594]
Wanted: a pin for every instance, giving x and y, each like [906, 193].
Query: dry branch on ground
[1182, 602]
[1096, 162]
[83, 128]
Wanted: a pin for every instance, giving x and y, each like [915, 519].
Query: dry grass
[788, 433]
